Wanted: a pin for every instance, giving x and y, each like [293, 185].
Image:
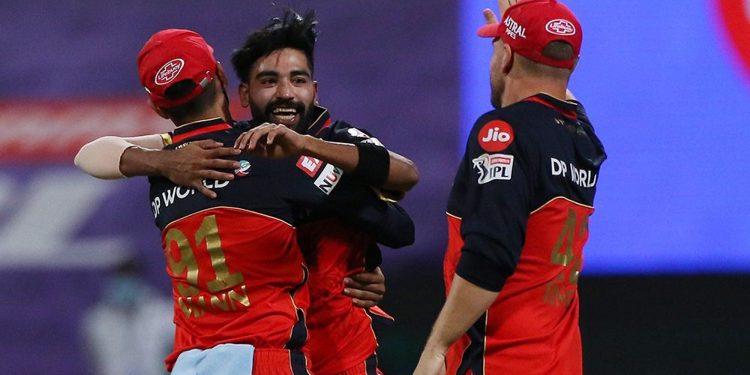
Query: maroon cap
[171, 56]
[530, 25]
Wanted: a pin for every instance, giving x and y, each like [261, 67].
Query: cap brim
[491, 30]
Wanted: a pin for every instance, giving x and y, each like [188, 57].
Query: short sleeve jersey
[237, 272]
[518, 220]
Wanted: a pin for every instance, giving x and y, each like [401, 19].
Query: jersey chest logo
[493, 167]
[495, 136]
[329, 178]
[309, 165]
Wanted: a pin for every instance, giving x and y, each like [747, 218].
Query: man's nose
[284, 90]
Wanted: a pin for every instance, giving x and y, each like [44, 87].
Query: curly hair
[289, 31]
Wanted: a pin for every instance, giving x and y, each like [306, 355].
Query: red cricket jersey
[236, 269]
[518, 221]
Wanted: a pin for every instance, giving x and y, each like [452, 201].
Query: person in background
[129, 330]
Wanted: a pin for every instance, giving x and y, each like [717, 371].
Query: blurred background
[665, 285]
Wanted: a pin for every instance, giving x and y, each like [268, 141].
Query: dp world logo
[169, 71]
[735, 19]
[561, 27]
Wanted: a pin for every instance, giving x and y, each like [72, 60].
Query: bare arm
[465, 304]
[114, 157]
[279, 141]
[101, 157]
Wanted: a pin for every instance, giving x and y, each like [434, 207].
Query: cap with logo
[530, 25]
[171, 56]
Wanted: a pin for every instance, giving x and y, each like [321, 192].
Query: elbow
[408, 177]
[412, 175]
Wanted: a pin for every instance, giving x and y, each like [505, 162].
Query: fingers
[216, 175]
[362, 298]
[366, 288]
[221, 164]
[489, 16]
[204, 190]
[367, 277]
[207, 144]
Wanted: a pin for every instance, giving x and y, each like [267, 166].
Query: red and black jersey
[518, 219]
[236, 269]
[341, 334]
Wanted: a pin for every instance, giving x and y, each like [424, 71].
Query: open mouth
[286, 116]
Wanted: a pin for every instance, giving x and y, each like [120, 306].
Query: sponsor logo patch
[169, 71]
[244, 168]
[309, 165]
[329, 178]
[493, 167]
[354, 132]
[514, 29]
[495, 136]
[561, 27]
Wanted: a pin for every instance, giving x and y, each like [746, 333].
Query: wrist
[309, 146]
[136, 161]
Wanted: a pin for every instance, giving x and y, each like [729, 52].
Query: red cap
[171, 56]
[530, 25]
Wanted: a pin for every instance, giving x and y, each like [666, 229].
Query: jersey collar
[196, 128]
[566, 108]
[322, 120]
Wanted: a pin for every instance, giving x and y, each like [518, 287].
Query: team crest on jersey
[329, 178]
[495, 136]
[169, 71]
[243, 170]
[309, 165]
[493, 167]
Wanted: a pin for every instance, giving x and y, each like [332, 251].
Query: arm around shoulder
[101, 157]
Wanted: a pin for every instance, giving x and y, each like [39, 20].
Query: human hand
[431, 363]
[366, 288]
[197, 161]
[503, 5]
[272, 141]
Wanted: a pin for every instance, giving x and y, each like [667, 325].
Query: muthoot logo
[169, 71]
[561, 27]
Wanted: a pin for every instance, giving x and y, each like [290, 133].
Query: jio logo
[735, 16]
[495, 136]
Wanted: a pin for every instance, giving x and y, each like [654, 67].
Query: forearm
[465, 304]
[342, 155]
[136, 161]
[101, 158]
[402, 173]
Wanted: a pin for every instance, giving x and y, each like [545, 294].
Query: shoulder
[342, 131]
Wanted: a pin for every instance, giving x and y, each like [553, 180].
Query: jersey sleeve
[497, 175]
[346, 133]
[313, 184]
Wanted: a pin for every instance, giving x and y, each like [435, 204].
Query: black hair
[193, 108]
[289, 31]
[558, 50]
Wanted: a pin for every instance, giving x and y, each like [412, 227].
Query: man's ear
[315, 93]
[158, 110]
[244, 92]
[220, 74]
[507, 63]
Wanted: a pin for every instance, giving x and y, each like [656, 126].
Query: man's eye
[299, 80]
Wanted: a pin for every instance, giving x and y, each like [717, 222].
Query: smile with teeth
[284, 113]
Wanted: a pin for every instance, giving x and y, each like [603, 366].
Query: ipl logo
[735, 17]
